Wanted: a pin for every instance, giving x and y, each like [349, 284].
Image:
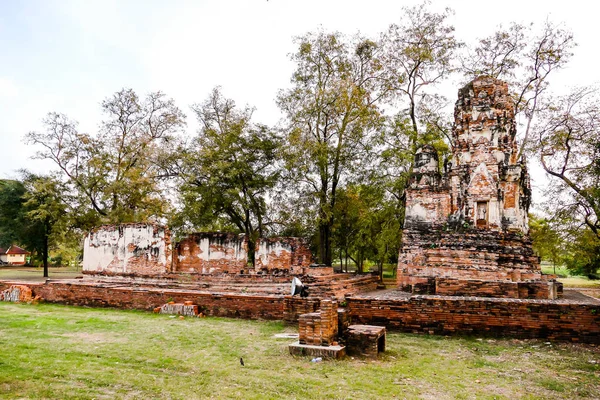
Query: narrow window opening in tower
[482, 214]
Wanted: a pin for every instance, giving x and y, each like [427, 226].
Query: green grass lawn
[60, 352]
[36, 274]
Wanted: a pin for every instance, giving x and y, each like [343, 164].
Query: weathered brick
[465, 230]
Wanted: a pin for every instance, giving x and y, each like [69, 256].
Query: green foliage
[229, 171]
[116, 173]
[547, 242]
[582, 255]
[46, 214]
[33, 214]
[331, 116]
[12, 214]
[367, 226]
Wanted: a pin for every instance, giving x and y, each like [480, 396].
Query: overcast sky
[68, 55]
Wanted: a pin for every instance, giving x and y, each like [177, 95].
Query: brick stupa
[466, 230]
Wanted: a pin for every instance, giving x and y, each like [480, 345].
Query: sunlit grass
[59, 352]
[568, 280]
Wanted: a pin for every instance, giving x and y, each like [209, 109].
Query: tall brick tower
[489, 187]
[466, 230]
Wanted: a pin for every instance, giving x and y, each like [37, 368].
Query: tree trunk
[45, 253]
[325, 244]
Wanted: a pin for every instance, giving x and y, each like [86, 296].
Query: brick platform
[575, 317]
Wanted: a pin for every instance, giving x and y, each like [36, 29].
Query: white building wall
[125, 248]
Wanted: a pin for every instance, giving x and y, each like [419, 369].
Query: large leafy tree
[366, 226]
[45, 214]
[582, 253]
[419, 53]
[568, 147]
[547, 239]
[116, 172]
[33, 214]
[12, 214]
[229, 171]
[331, 114]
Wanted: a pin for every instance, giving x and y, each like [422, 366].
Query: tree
[568, 147]
[29, 211]
[418, 53]
[547, 240]
[331, 115]
[366, 227]
[115, 173]
[525, 59]
[228, 175]
[582, 255]
[12, 215]
[45, 210]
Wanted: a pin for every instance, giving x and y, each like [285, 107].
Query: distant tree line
[335, 168]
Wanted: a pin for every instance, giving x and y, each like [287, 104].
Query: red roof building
[14, 255]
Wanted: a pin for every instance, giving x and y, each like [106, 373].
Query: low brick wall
[445, 315]
[214, 304]
[294, 306]
[555, 320]
[340, 285]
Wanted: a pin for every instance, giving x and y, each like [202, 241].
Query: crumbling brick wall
[212, 253]
[287, 254]
[16, 294]
[321, 327]
[446, 315]
[127, 249]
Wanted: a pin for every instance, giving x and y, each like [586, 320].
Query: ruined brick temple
[466, 228]
[146, 250]
[465, 266]
[141, 253]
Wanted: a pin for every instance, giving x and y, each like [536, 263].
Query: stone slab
[336, 352]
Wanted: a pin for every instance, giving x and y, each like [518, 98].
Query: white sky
[68, 55]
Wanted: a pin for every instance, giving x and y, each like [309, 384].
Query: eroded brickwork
[576, 319]
[16, 294]
[319, 328]
[127, 249]
[466, 230]
[212, 253]
[282, 254]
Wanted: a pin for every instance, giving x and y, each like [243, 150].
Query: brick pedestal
[365, 340]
